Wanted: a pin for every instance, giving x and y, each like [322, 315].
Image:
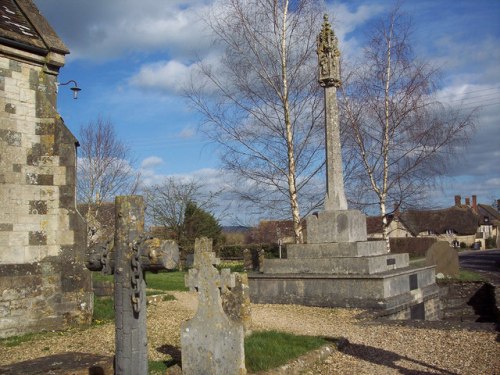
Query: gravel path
[375, 347]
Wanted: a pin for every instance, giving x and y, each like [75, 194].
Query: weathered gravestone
[444, 257]
[236, 302]
[131, 254]
[212, 343]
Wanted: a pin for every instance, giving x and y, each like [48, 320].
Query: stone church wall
[43, 281]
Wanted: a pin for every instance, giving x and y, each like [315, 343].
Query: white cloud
[346, 22]
[151, 162]
[174, 76]
[187, 133]
[97, 30]
[167, 75]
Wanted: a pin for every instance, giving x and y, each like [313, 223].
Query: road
[486, 262]
[481, 260]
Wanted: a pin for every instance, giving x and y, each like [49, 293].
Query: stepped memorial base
[338, 267]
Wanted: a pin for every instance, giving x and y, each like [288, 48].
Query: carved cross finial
[203, 270]
[328, 56]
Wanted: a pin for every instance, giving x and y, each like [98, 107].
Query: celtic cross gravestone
[128, 257]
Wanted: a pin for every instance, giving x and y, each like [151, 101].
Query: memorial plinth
[338, 267]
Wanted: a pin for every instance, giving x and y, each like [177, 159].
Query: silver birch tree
[260, 102]
[403, 136]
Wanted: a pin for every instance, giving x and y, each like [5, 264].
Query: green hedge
[236, 251]
[491, 243]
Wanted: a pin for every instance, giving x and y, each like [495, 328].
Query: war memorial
[337, 266]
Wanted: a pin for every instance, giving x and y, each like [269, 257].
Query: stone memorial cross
[211, 342]
[329, 78]
[128, 257]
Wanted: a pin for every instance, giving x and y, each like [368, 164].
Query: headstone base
[338, 267]
[391, 294]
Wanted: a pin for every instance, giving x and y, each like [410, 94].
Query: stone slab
[74, 363]
[380, 291]
[336, 226]
[340, 265]
[444, 257]
[336, 249]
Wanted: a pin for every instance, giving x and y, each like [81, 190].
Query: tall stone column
[131, 352]
[336, 223]
[329, 78]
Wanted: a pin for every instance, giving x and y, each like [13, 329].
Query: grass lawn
[269, 349]
[465, 276]
[265, 350]
[158, 283]
[166, 281]
[103, 310]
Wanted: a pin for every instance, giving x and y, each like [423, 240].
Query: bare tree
[104, 169]
[403, 136]
[261, 102]
[168, 204]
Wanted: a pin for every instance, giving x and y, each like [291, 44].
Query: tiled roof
[22, 26]
[489, 212]
[462, 221]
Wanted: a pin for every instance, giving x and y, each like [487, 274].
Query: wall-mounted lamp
[75, 88]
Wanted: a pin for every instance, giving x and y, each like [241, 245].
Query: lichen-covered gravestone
[212, 343]
[444, 257]
[128, 257]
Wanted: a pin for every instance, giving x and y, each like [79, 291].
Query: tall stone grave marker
[211, 342]
[131, 344]
[338, 266]
[128, 258]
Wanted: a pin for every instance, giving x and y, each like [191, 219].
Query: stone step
[382, 291]
[336, 249]
[341, 265]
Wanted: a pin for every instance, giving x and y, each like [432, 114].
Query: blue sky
[132, 57]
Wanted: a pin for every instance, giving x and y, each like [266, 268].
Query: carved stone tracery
[328, 56]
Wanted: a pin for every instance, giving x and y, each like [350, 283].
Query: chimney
[467, 201]
[458, 200]
[498, 205]
[474, 203]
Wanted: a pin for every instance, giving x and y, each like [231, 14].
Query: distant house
[489, 224]
[469, 223]
[273, 231]
[454, 224]
[397, 228]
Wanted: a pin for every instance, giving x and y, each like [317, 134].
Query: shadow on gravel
[173, 352]
[485, 305]
[60, 364]
[390, 359]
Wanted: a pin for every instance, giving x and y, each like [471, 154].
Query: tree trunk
[385, 226]
[292, 186]
[386, 145]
